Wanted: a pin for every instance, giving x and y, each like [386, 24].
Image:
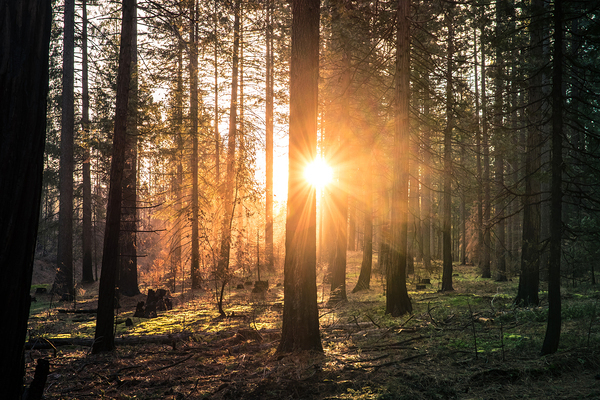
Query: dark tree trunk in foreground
[300, 329]
[25, 36]
[87, 274]
[447, 198]
[110, 255]
[486, 271]
[552, 337]
[397, 300]
[63, 282]
[128, 277]
[529, 280]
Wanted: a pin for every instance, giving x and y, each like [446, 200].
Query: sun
[318, 173]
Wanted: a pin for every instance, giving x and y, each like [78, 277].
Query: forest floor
[471, 343]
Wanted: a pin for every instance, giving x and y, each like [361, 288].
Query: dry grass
[367, 355]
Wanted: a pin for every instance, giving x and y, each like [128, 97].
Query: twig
[374, 323]
[172, 365]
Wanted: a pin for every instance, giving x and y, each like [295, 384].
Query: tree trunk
[486, 271]
[426, 189]
[25, 35]
[87, 274]
[300, 330]
[128, 279]
[63, 282]
[364, 279]
[529, 279]
[269, 140]
[110, 256]
[447, 197]
[223, 265]
[553, 328]
[397, 300]
[193, 52]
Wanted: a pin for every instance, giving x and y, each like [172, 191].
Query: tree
[193, 54]
[269, 134]
[300, 330]
[87, 275]
[128, 279]
[397, 300]
[104, 336]
[25, 35]
[447, 198]
[529, 279]
[553, 328]
[63, 283]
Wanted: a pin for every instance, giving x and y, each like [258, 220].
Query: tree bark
[397, 300]
[486, 271]
[269, 140]
[193, 53]
[104, 336]
[128, 279]
[529, 280]
[364, 278]
[25, 35]
[300, 330]
[63, 282]
[553, 328]
[447, 197]
[87, 274]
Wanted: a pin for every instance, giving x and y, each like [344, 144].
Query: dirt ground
[463, 345]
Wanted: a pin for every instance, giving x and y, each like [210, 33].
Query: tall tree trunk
[128, 279]
[300, 330]
[104, 336]
[63, 282]
[426, 189]
[447, 197]
[486, 271]
[397, 300]
[223, 264]
[553, 328]
[500, 246]
[529, 280]
[269, 140]
[25, 35]
[87, 274]
[479, 221]
[217, 119]
[193, 51]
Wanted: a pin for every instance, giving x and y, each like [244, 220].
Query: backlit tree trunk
[300, 330]
[397, 300]
[104, 336]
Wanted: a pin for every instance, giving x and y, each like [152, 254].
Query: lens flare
[318, 173]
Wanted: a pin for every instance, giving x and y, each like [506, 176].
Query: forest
[303, 199]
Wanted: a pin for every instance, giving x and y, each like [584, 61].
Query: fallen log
[48, 343]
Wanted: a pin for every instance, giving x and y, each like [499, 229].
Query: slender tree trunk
[426, 189]
[397, 300]
[25, 34]
[486, 271]
[269, 141]
[104, 336]
[529, 279]
[217, 135]
[553, 328]
[87, 274]
[223, 264]
[364, 279]
[479, 223]
[447, 197]
[193, 46]
[128, 280]
[64, 283]
[300, 330]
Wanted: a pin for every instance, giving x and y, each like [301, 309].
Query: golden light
[318, 173]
